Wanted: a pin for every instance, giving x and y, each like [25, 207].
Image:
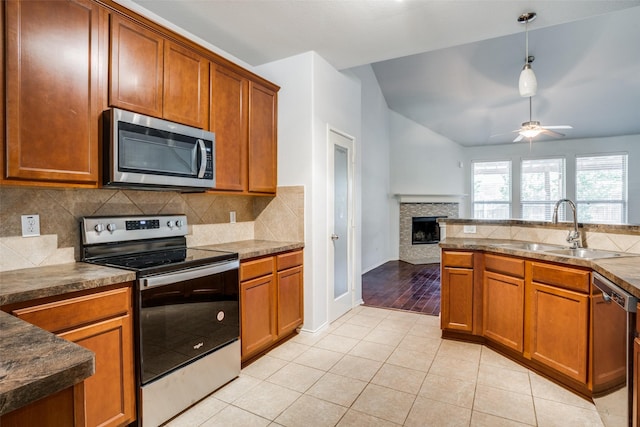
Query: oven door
[185, 315]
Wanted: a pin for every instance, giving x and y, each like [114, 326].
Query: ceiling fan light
[528, 85]
[530, 133]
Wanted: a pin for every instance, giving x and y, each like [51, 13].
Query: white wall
[569, 148]
[378, 203]
[314, 96]
[422, 163]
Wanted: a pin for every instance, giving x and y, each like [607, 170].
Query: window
[601, 188]
[542, 183]
[492, 190]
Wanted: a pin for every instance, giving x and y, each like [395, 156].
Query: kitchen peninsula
[566, 313]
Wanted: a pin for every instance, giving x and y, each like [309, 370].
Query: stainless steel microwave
[150, 153]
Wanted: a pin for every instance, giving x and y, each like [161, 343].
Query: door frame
[350, 146]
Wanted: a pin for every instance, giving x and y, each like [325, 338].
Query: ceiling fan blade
[518, 138]
[558, 127]
[552, 133]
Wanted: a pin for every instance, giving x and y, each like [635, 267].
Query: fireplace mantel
[430, 198]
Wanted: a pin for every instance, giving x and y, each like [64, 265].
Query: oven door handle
[189, 274]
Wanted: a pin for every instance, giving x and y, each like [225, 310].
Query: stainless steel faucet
[574, 236]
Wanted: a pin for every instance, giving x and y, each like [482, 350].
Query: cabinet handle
[334, 237]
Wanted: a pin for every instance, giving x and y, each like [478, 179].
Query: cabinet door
[100, 322]
[61, 409]
[263, 148]
[290, 300]
[258, 315]
[186, 86]
[228, 119]
[53, 100]
[457, 299]
[112, 342]
[503, 310]
[136, 67]
[636, 382]
[559, 330]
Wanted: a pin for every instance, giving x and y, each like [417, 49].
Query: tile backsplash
[596, 238]
[60, 211]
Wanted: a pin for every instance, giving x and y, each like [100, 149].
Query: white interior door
[340, 224]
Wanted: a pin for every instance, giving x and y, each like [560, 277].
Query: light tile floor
[379, 367]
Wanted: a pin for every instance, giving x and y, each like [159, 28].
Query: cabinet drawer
[288, 260]
[256, 268]
[457, 259]
[568, 278]
[505, 265]
[73, 312]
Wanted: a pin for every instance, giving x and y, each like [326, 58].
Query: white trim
[430, 198]
[350, 146]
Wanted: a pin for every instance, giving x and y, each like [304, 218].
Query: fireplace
[426, 249]
[425, 230]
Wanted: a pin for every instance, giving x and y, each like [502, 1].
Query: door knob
[334, 237]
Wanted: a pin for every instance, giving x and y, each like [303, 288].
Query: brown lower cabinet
[457, 291]
[636, 374]
[101, 322]
[536, 312]
[503, 301]
[62, 409]
[271, 301]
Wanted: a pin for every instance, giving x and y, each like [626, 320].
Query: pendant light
[528, 85]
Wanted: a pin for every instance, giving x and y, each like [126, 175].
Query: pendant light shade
[527, 84]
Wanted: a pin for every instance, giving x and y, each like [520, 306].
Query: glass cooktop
[166, 259]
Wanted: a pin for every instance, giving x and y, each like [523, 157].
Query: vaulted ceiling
[451, 66]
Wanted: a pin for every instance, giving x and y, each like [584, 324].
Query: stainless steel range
[186, 308]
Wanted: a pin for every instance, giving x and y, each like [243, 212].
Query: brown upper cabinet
[67, 61]
[54, 56]
[263, 149]
[229, 121]
[152, 75]
[243, 115]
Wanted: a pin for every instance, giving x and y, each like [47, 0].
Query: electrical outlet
[232, 217]
[469, 229]
[30, 225]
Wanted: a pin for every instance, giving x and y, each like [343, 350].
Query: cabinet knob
[334, 237]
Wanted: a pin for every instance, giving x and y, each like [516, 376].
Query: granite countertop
[624, 271]
[33, 362]
[255, 248]
[39, 282]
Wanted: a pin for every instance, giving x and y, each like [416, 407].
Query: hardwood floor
[404, 286]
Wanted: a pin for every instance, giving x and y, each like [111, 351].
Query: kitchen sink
[586, 253]
[537, 247]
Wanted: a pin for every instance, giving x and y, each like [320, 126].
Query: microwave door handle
[203, 159]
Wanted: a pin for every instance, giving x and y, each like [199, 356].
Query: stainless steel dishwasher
[613, 312]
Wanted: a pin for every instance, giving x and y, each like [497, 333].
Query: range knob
[99, 228]
[179, 223]
[111, 227]
[170, 224]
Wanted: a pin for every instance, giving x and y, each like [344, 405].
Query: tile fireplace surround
[421, 253]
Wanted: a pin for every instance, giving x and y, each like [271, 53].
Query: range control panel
[142, 224]
[103, 229]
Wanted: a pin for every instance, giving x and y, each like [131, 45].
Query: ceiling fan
[532, 128]
[528, 86]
